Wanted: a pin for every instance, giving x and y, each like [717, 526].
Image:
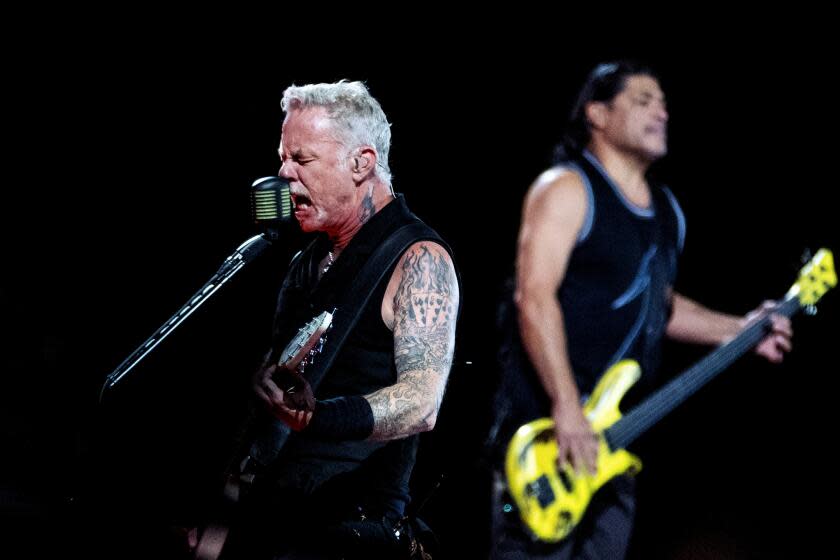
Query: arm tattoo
[425, 310]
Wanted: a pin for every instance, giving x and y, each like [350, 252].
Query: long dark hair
[603, 83]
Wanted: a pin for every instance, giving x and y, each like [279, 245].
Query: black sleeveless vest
[374, 475]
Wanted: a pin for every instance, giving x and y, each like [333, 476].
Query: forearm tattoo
[425, 311]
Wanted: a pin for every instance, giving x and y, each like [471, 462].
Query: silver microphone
[271, 204]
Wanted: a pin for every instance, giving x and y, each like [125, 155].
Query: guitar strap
[356, 297]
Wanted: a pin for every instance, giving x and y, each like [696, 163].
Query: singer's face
[316, 164]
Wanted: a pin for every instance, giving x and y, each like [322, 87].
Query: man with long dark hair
[596, 262]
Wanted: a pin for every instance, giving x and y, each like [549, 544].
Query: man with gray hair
[339, 485]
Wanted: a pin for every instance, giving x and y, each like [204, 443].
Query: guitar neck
[658, 405]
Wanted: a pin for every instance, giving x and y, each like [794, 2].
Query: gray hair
[357, 116]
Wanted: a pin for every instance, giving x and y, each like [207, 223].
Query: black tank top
[615, 296]
[616, 292]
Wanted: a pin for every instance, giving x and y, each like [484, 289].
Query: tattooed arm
[421, 307]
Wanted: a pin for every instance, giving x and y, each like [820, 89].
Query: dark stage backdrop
[128, 185]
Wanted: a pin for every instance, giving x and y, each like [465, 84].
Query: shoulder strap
[355, 299]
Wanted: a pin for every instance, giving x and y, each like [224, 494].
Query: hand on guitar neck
[777, 342]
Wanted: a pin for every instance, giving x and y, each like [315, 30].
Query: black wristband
[341, 418]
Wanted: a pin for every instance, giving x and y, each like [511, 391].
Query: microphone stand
[244, 254]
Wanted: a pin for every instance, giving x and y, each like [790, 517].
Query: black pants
[603, 533]
[278, 523]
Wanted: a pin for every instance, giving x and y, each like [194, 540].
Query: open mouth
[301, 201]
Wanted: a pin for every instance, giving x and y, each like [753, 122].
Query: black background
[127, 185]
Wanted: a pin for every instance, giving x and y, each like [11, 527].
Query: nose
[286, 171]
[661, 112]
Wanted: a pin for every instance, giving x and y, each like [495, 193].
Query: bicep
[552, 218]
[425, 306]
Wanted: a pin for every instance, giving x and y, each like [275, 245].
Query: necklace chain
[329, 263]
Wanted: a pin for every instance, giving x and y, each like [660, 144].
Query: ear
[363, 162]
[596, 114]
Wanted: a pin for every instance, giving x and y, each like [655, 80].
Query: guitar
[552, 500]
[298, 353]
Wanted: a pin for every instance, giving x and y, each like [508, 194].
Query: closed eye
[646, 100]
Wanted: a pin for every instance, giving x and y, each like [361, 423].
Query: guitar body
[299, 352]
[552, 501]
